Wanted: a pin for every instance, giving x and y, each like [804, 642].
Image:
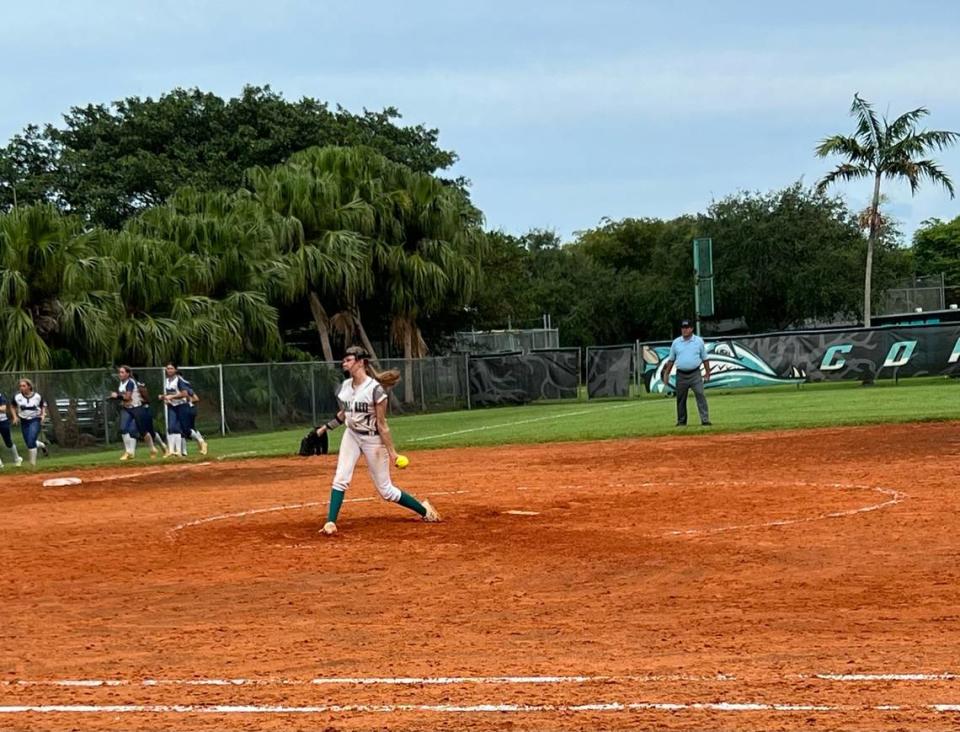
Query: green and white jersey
[358, 404]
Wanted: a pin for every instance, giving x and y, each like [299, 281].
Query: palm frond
[868, 124]
[844, 172]
[906, 123]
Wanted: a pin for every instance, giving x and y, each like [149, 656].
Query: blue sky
[561, 112]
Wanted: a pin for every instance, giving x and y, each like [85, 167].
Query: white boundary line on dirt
[151, 471]
[370, 680]
[520, 421]
[895, 498]
[884, 677]
[858, 678]
[272, 509]
[715, 706]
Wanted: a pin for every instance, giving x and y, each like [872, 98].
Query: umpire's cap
[685, 323]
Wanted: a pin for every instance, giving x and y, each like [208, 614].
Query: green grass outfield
[771, 408]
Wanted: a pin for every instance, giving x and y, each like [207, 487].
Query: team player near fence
[30, 410]
[189, 425]
[131, 414]
[363, 409]
[5, 431]
[145, 420]
[175, 399]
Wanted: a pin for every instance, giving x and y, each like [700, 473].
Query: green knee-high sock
[408, 501]
[336, 500]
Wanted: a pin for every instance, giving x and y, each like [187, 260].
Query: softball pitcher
[363, 408]
[30, 411]
[5, 431]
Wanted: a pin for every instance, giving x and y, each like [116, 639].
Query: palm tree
[427, 259]
[332, 196]
[195, 276]
[881, 149]
[54, 291]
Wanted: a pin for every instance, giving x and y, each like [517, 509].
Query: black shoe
[706, 424]
[45, 451]
[680, 424]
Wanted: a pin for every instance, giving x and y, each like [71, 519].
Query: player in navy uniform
[363, 408]
[189, 426]
[30, 411]
[131, 413]
[145, 420]
[175, 399]
[5, 431]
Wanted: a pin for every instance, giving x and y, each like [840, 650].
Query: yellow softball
[402, 461]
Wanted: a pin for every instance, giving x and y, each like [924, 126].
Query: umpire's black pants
[687, 380]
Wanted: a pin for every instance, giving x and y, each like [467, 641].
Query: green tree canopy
[783, 257]
[108, 162]
[936, 249]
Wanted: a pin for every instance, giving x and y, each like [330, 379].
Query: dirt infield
[792, 580]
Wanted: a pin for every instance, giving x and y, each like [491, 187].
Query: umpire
[688, 353]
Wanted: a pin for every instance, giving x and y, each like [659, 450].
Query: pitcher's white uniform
[360, 418]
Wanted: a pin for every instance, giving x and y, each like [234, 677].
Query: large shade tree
[881, 149]
[55, 295]
[196, 277]
[330, 196]
[373, 235]
[108, 162]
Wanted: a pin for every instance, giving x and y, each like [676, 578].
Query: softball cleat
[431, 516]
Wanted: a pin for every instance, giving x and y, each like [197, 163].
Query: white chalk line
[884, 677]
[248, 453]
[472, 680]
[152, 471]
[520, 421]
[715, 706]
[895, 498]
[287, 507]
[371, 680]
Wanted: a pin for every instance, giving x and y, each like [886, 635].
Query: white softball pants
[378, 462]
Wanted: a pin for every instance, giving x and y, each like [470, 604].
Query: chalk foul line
[606, 706]
[571, 679]
[501, 426]
[370, 680]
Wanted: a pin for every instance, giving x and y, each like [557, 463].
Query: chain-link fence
[235, 397]
[501, 341]
[921, 294]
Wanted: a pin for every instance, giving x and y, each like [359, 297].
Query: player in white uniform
[131, 413]
[30, 411]
[5, 431]
[175, 398]
[363, 408]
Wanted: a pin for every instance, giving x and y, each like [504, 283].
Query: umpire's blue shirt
[687, 355]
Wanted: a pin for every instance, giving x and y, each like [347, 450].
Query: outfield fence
[236, 397]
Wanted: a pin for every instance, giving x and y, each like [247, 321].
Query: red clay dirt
[687, 576]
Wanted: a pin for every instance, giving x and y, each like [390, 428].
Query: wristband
[333, 423]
